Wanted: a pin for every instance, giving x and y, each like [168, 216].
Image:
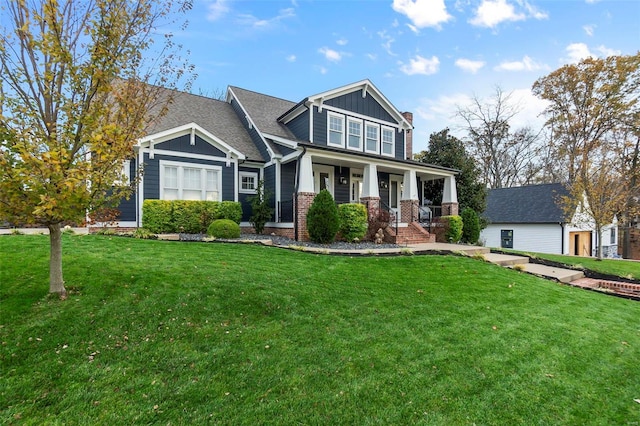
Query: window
[506, 238]
[388, 142]
[184, 181]
[336, 130]
[248, 182]
[613, 236]
[355, 134]
[371, 144]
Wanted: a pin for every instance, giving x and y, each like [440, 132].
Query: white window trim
[393, 141]
[254, 175]
[355, 120]
[203, 171]
[342, 117]
[377, 126]
[125, 178]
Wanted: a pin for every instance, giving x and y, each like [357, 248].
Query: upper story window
[372, 138]
[248, 182]
[336, 130]
[355, 134]
[185, 181]
[388, 142]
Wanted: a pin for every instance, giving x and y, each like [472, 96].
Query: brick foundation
[408, 211]
[303, 202]
[373, 205]
[450, 209]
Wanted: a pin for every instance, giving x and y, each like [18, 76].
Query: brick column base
[373, 206]
[450, 209]
[408, 211]
[303, 202]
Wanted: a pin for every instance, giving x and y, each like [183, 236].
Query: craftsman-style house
[350, 140]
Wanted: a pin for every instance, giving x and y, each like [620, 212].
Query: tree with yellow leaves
[78, 88]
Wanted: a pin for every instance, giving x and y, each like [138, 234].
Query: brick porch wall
[408, 211]
[450, 209]
[303, 202]
[373, 205]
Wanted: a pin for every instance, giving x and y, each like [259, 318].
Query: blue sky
[426, 56]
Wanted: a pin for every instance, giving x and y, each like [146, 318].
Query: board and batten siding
[288, 188]
[299, 126]
[270, 185]
[365, 106]
[126, 207]
[540, 238]
[183, 144]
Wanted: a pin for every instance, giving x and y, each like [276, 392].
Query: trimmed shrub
[192, 217]
[224, 228]
[261, 210]
[470, 226]
[448, 229]
[322, 219]
[157, 217]
[353, 221]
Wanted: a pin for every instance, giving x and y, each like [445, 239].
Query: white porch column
[370, 182]
[450, 194]
[410, 190]
[305, 175]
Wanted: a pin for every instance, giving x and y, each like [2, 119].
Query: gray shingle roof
[217, 117]
[526, 204]
[264, 110]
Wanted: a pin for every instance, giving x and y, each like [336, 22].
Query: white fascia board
[282, 141]
[186, 129]
[230, 96]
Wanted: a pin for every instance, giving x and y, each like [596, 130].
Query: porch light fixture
[384, 184]
[343, 180]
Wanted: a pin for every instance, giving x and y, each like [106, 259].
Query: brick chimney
[409, 135]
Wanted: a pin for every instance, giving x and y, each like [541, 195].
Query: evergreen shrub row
[325, 220]
[191, 217]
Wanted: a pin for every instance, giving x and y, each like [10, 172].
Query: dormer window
[336, 130]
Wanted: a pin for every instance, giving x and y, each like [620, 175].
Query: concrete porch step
[506, 259]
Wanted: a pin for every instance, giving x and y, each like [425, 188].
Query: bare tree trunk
[56, 283]
[599, 241]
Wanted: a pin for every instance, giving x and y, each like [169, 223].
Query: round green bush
[470, 226]
[224, 228]
[454, 230]
[322, 219]
[353, 221]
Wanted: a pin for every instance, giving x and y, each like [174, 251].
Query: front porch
[391, 190]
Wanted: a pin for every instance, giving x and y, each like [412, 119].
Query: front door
[395, 194]
[323, 178]
[356, 187]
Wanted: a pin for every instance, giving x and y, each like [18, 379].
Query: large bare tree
[78, 81]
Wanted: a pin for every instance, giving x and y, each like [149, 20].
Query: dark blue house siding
[183, 144]
[400, 145]
[299, 126]
[270, 184]
[255, 137]
[244, 199]
[285, 150]
[319, 127]
[341, 192]
[365, 106]
[288, 188]
[128, 207]
[152, 175]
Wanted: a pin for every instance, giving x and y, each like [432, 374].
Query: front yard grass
[157, 332]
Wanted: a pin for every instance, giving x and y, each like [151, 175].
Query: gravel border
[287, 242]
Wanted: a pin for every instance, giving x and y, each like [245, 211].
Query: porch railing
[426, 214]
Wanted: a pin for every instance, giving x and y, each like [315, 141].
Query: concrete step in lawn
[560, 274]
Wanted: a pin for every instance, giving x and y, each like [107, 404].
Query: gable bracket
[364, 90]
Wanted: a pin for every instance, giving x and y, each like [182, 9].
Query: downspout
[562, 238]
[295, 194]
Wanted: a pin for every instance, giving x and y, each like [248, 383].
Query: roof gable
[526, 204]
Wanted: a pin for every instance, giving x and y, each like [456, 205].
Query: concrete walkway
[563, 275]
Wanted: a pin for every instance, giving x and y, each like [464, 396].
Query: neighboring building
[350, 140]
[530, 218]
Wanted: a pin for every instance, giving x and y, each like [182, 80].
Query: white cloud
[420, 65]
[423, 13]
[526, 64]
[372, 56]
[387, 42]
[491, 13]
[330, 54]
[469, 65]
[291, 58]
[342, 41]
[531, 107]
[577, 52]
[253, 22]
[589, 29]
[605, 51]
[323, 70]
[217, 10]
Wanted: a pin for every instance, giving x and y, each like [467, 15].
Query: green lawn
[192, 333]
[619, 267]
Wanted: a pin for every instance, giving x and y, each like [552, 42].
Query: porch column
[370, 196]
[449, 197]
[409, 201]
[304, 197]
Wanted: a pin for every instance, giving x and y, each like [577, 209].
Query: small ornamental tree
[261, 210]
[322, 219]
[470, 226]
